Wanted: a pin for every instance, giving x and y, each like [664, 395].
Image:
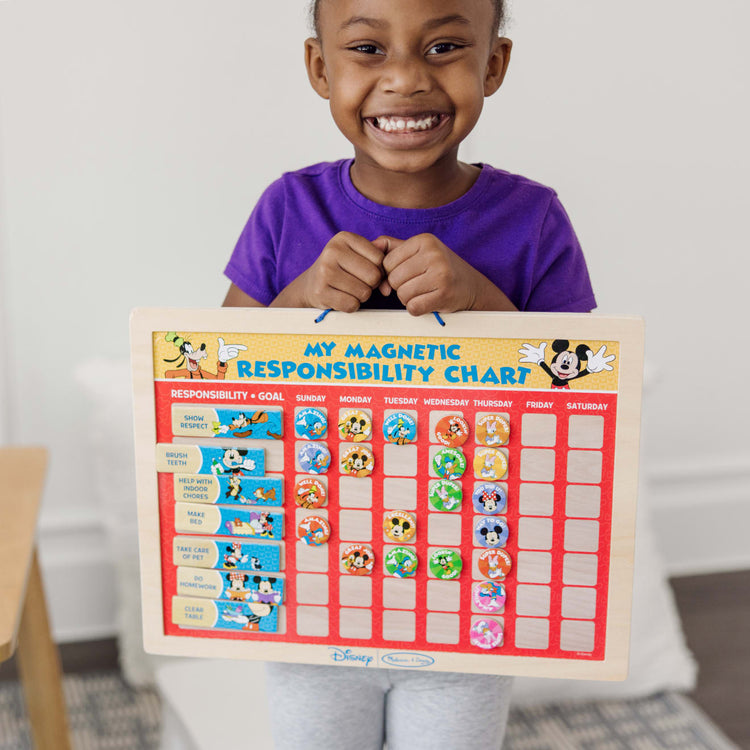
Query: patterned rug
[105, 714]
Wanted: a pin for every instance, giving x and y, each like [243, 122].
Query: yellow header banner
[381, 360]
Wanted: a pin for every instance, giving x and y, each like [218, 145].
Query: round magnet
[490, 463]
[489, 498]
[446, 564]
[486, 633]
[310, 423]
[357, 461]
[449, 463]
[401, 562]
[491, 531]
[314, 458]
[356, 425]
[494, 564]
[314, 530]
[358, 559]
[445, 494]
[310, 493]
[492, 430]
[488, 596]
[399, 525]
[452, 431]
[400, 428]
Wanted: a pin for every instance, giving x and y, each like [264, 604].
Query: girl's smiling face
[406, 80]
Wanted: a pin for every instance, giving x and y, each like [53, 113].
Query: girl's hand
[430, 277]
[342, 278]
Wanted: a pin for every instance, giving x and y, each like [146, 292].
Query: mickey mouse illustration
[492, 536]
[398, 528]
[354, 428]
[265, 592]
[233, 459]
[358, 562]
[567, 365]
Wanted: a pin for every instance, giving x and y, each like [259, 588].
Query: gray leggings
[354, 708]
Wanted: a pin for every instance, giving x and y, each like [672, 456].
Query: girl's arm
[342, 277]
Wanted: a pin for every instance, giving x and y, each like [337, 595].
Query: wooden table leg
[39, 669]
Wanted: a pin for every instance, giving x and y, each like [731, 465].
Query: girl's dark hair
[497, 21]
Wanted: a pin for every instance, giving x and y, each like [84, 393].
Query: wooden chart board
[476, 483]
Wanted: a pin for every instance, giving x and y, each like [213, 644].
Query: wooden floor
[715, 611]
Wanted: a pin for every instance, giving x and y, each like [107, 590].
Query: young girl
[404, 224]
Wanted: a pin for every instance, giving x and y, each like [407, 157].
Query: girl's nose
[406, 76]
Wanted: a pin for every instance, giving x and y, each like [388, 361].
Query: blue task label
[229, 489]
[177, 458]
[212, 519]
[233, 585]
[256, 617]
[226, 554]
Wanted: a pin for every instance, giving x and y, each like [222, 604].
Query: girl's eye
[442, 47]
[367, 49]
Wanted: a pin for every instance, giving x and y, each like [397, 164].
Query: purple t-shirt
[513, 230]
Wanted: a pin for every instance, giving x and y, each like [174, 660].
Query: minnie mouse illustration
[567, 365]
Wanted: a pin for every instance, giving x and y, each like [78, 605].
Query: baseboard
[701, 513]
[78, 571]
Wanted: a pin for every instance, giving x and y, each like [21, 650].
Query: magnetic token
[449, 463]
[310, 493]
[357, 461]
[491, 531]
[313, 530]
[488, 596]
[446, 564]
[490, 463]
[445, 494]
[310, 423]
[314, 458]
[400, 428]
[399, 525]
[358, 559]
[486, 633]
[489, 498]
[494, 564]
[355, 425]
[492, 430]
[401, 562]
[452, 431]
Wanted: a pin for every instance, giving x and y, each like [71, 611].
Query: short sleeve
[252, 266]
[561, 280]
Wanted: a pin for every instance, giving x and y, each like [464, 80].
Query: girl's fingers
[361, 247]
[386, 243]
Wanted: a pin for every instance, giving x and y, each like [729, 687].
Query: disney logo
[346, 654]
[408, 659]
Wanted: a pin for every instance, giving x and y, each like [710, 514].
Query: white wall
[135, 137]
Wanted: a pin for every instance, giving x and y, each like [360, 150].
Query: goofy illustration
[191, 358]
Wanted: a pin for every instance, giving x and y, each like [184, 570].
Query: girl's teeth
[399, 124]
